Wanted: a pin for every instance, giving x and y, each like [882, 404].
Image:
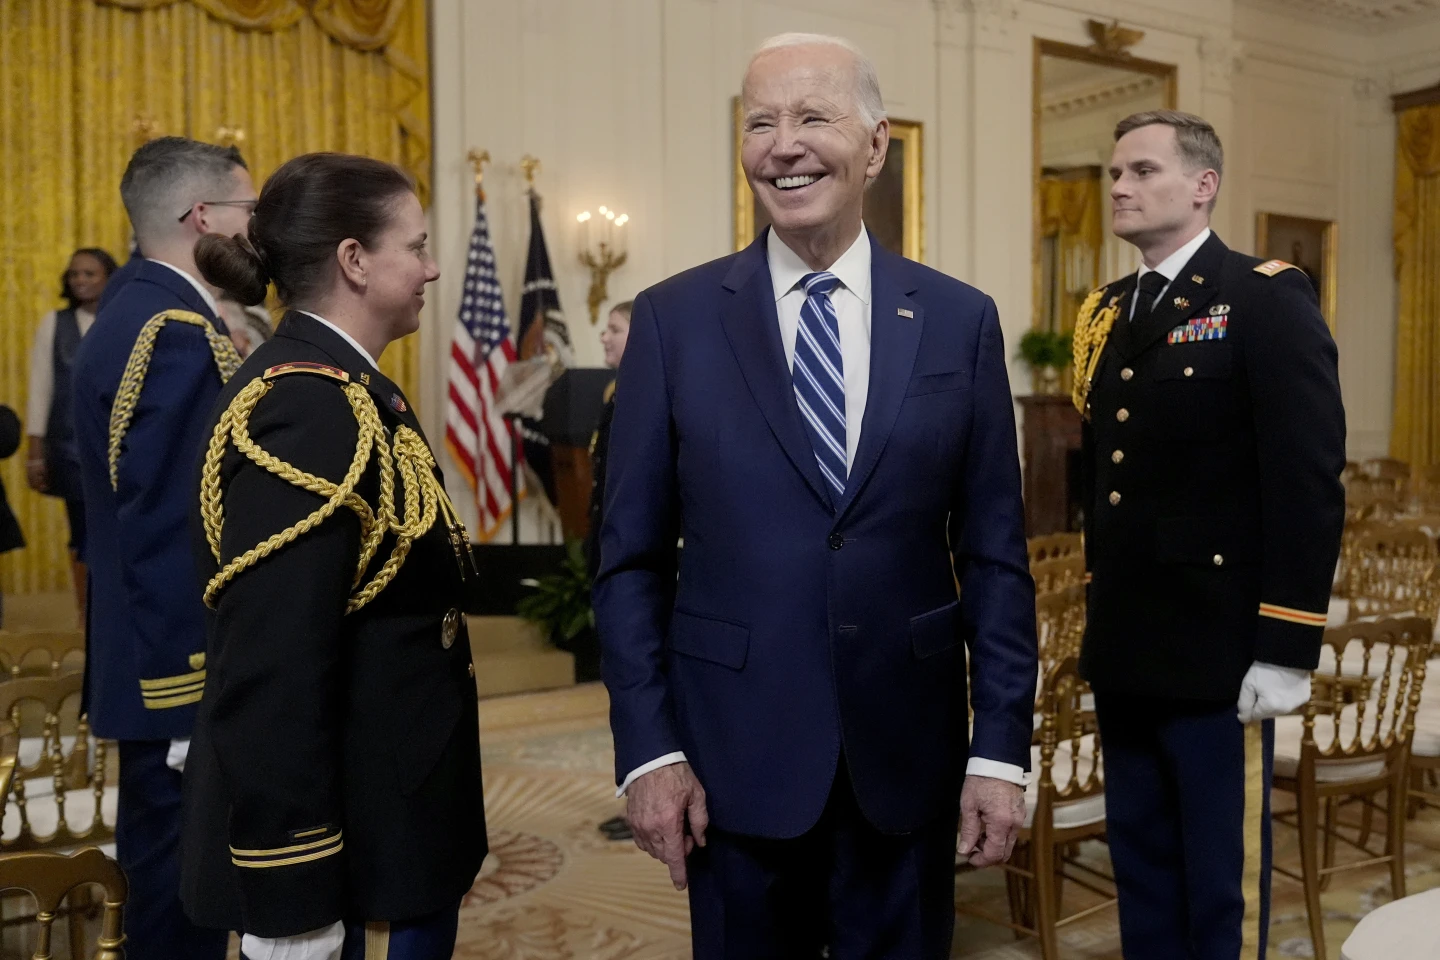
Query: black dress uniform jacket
[335, 766]
[1213, 446]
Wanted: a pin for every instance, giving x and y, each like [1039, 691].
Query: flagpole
[478, 159]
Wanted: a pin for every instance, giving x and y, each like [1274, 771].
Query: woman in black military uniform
[332, 790]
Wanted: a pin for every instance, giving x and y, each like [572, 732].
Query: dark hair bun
[234, 266]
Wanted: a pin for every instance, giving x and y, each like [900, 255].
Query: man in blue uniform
[145, 379]
[1214, 438]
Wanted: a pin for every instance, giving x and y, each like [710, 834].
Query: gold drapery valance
[361, 24]
[83, 82]
[1415, 431]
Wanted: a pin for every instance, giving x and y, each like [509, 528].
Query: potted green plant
[560, 606]
[1048, 354]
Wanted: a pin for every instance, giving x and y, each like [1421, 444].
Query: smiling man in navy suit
[829, 428]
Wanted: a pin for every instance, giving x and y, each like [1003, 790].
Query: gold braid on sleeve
[424, 498]
[132, 381]
[1092, 329]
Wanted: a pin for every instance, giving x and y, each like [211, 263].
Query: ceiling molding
[1372, 16]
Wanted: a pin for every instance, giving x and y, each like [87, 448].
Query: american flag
[478, 438]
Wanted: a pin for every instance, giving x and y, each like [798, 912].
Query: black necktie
[1150, 286]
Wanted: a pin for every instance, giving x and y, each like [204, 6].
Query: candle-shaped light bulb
[621, 220]
[609, 214]
[603, 211]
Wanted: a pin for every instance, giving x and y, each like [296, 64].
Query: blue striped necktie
[819, 376]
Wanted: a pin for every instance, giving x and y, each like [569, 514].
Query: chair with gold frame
[41, 652]
[67, 773]
[49, 877]
[1064, 805]
[1049, 546]
[1352, 741]
[1058, 573]
[1391, 569]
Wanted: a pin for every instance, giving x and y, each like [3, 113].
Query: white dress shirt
[347, 338]
[1170, 267]
[42, 370]
[851, 300]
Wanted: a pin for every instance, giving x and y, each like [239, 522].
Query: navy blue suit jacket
[787, 630]
[146, 620]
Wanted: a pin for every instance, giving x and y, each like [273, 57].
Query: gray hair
[169, 175]
[867, 83]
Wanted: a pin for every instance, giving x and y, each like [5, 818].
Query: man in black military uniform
[1214, 438]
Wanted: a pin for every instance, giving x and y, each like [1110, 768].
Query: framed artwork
[894, 203]
[1305, 242]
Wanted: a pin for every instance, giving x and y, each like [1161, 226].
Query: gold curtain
[1070, 212]
[1415, 432]
[84, 82]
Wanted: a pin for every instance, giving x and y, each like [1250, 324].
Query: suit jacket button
[1117, 456]
[836, 541]
[1122, 414]
[1219, 560]
[449, 628]
[1189, 371]
[1114, 498]
[1126, 374]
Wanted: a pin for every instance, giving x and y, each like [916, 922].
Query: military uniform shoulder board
[301, 366]
[1272, 267]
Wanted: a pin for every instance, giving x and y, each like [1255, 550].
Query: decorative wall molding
[1373, 16]
[1079, 98]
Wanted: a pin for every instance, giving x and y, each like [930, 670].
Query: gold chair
[1052, 545]
[1058, 573]
[1390, 569]
[1060, 625]
[1064, 805]
[1367, 498]
[41, 652]
[50, 876]
[74, 772]
[1352, 740]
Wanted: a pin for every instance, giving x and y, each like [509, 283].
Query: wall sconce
[602, 249]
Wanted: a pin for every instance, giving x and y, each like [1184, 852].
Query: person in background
[52, 466]
[144, 381]
[249, 326]
[10, 535]
[612, 339]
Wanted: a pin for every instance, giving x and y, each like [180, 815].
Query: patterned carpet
[554, 889]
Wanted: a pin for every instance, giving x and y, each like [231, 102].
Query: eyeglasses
[221, 203]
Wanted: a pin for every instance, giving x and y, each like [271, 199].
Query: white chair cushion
[1403, 929]
[1073, 813]
[1289, 730]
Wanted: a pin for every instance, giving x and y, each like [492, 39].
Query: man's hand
[991, 815]
[658, 806]
[1270, 690]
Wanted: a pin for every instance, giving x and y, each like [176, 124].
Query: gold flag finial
[478, 159]
[530, 165]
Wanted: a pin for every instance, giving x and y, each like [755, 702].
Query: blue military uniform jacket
[145, 663]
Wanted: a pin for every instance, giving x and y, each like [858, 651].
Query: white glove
[179, 752]
[322, 944]
[1269, 690]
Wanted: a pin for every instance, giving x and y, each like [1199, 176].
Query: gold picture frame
[1308, 243]
[1166, 73]
[894, 203]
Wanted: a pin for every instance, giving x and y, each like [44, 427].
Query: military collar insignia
[1196, 278]
[365, 379]
[1181, 303]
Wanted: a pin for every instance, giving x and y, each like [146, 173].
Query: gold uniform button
[1117, 456]
[1122, 414]
[1219, 560]
[1114, 499]
[449, 628]
[470, 669]
[1126, 374]
[1189, 371]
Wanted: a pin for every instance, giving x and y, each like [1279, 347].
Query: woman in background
[51, 465]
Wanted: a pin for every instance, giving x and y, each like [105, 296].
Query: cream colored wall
[627, 102]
